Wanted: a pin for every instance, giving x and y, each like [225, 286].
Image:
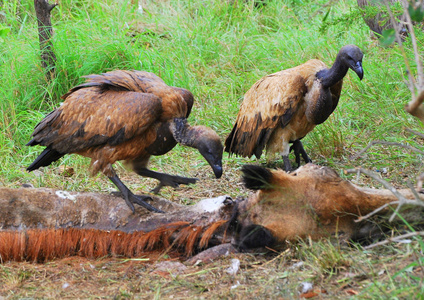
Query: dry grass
[270, 276]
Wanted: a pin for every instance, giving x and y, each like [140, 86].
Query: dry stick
[399, 41]
[372, 143]
[395, 239]
[402, 199]
[413, 190]
[420, 178]
[416, 52]
[376, 211]
[420, 182]
[415, 132]
[413, 107]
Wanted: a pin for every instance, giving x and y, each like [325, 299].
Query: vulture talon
[298, 150]
[129, 116]
[141, 200]
[156, 189]
[287, 165]
[173, 181]
[283, 107]
[130, 198]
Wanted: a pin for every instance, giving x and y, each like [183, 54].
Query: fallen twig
[396, 239]
[375, 211]
[402, 200]
[420, 182]
[372, 143]
[415, 132]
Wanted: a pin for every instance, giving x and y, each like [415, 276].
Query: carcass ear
[256, 177]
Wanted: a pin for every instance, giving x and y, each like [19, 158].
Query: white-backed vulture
[381, 21]
[129, 116]
[283, 107]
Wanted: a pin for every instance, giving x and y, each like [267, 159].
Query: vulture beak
[215, 161]
[210, 146]
[358, 69]
[217, 170]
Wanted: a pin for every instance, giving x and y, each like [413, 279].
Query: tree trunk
[45, 33]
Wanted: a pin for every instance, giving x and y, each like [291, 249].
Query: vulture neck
[183, 133]
[330, 77]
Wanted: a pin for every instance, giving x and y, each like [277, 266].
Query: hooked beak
[358, 69]
[217, 170]
[215, 161]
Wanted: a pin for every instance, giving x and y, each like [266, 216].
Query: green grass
[218, 51]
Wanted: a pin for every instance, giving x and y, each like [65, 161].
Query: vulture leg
[287, 164]
[298, 149]
[130, 198]
[165, 179]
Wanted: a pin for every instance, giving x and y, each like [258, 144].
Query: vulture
[128, 116]
[283, 107]
[378, 22]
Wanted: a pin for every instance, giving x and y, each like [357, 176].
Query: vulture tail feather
[44, 159]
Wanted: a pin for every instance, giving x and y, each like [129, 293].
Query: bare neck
[330, 77]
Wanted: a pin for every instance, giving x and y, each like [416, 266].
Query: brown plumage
[283, 107]
[129, 116]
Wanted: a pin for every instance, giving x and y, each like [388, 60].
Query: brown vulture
[378, 22]
[129, 116]
[283, 107]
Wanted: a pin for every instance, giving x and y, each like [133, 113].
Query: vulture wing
[121, 80]
[188, 98]
[270, 102]
[93, 116]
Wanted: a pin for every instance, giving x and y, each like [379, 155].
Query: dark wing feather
[120, 80]
[88, 118]
[270, 102]
[187, 97]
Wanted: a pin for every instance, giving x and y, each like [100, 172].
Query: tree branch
[415, 132]
[402, 200]
[51, 6]
[396, 239]
[415, 108]
[372, 143]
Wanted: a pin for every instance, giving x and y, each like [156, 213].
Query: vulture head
[203, 138]
[209, 145]
[351, 56]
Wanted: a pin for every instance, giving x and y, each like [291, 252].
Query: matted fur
[40, 245]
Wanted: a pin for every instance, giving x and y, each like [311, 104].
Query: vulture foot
[141, 200]
[298, 150]
[172, 181]
[287, 165]
[132, 199]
